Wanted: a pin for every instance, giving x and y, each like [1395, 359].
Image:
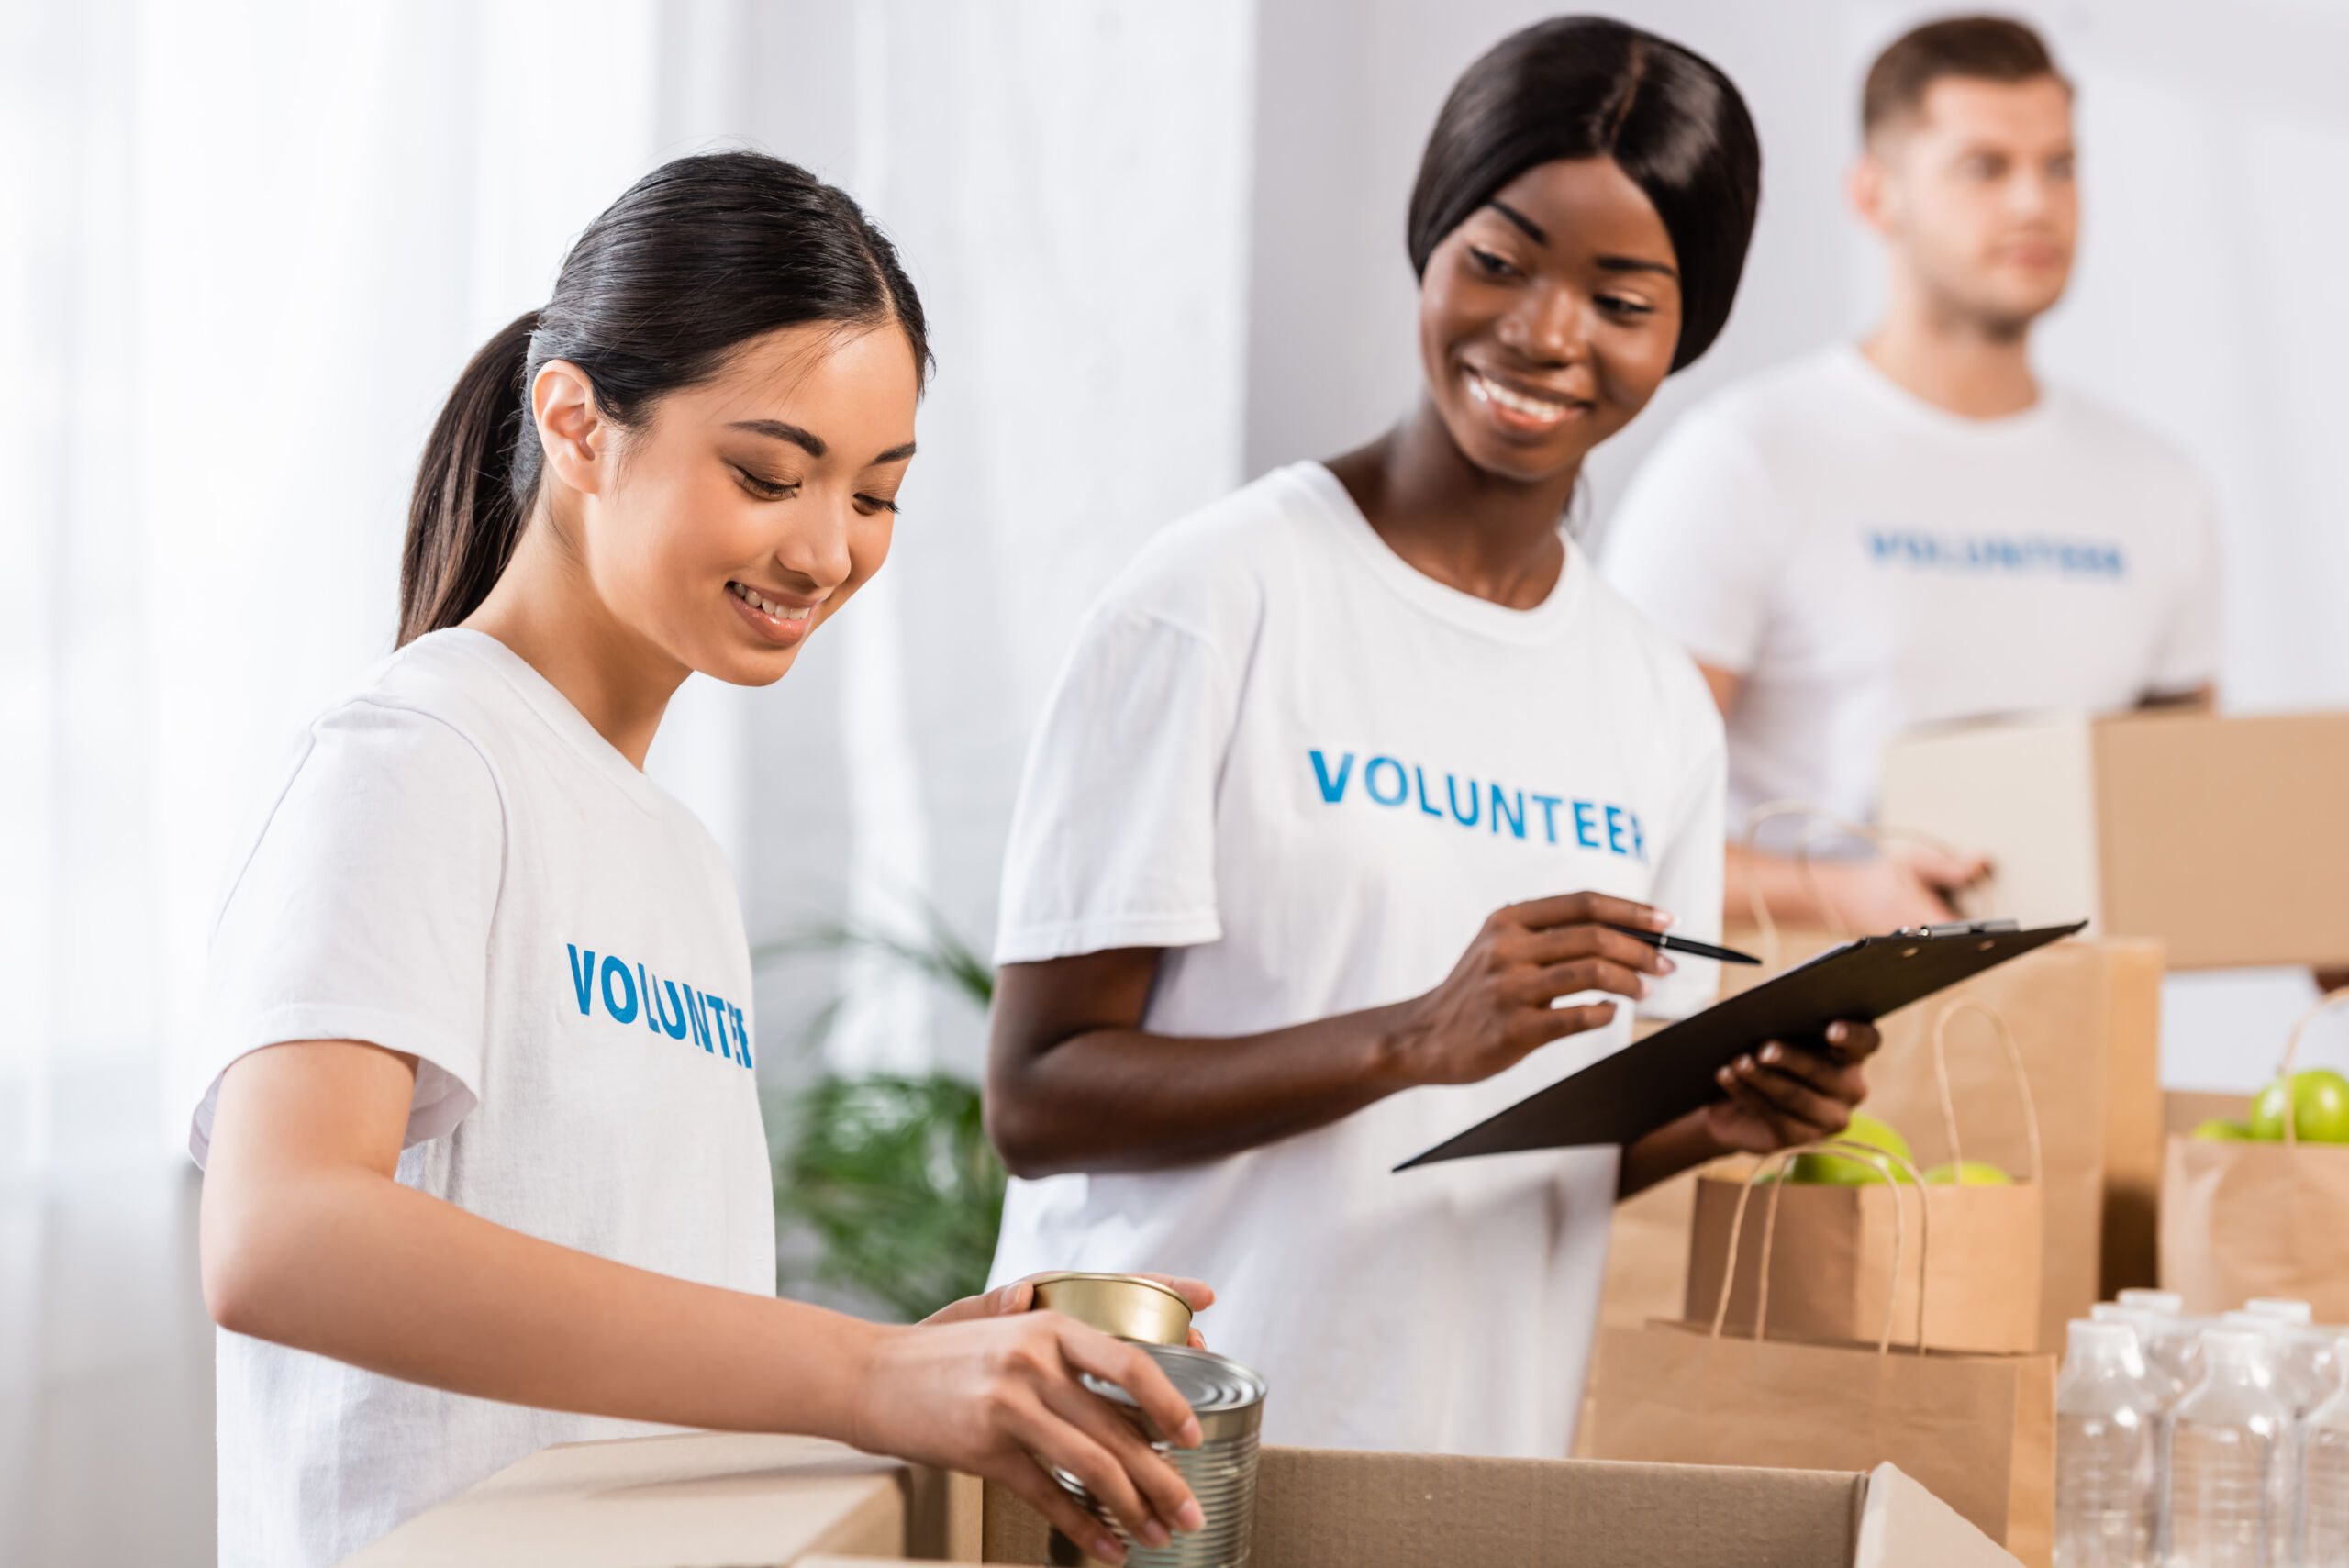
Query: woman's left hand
[1020, 1296]
[1785, 1094]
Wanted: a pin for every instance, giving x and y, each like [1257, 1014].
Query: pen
[1682, 944]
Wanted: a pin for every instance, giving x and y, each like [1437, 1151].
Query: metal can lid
[1127, 1305]
[1143, 1281]
[1214, 1387]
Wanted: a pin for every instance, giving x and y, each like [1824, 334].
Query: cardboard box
[2222, 837]
[700, 1500]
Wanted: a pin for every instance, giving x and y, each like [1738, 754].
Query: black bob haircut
[1591, 87]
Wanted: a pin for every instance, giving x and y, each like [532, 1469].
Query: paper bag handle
[1885, 1161]
[2292, 1052]
[1825, 823]
[2014, 1060]
[1765, 925]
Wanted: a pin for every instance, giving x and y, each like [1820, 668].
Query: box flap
[694, 1500]
[1904, 1526]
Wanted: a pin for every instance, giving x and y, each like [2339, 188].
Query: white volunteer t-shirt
[1870, 563]
[459, 867]
[1311, 771]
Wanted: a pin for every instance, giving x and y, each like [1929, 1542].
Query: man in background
[1917, 529]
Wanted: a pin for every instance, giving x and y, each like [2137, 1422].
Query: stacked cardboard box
[2222, 837]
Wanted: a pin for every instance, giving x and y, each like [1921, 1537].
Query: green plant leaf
[892, 1172]
[895, 1177]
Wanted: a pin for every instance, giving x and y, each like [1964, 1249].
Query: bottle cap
[2167, 1302]
[2089, 1338]
[2233, 1347]
[2282, 1308]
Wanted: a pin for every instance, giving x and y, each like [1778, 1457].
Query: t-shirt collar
[1466, 611]
[569, 724]
[1904, 404]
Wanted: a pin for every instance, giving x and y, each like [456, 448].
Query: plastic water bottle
[2324, 1476]
[2154, 1339]
[2309, 1355]
[2302, 1373]
[2172, 1346]
[2313, 1357]
[2159, 1345]
[2106, 1414]
[2225, 1469]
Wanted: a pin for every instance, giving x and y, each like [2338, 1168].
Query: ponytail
[466, 516]
[695, 259]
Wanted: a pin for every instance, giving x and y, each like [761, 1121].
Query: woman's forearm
[1121, 1100]
[1779, 883]
[347, 1264]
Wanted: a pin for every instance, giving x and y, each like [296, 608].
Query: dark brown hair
[695, 260]
[1591, 87]
[1986, 49]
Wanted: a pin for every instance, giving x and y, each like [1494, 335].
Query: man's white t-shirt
[1870, 563]
[459, 867]
[1309, 772]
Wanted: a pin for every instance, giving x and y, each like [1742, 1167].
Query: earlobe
[1864, 187]
[571, 429]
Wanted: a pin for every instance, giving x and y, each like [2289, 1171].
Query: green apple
[2221, 1131]
[1967, 1174]
[1833, 1170]
[2319, 1108]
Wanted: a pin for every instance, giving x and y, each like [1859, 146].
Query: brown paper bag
[2085, 1016]
[1831, 1248]
[2241, 1220]
[1977, 1430]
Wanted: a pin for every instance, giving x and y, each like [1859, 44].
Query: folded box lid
[688, 1500]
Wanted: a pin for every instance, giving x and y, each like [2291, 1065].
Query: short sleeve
[1689, 872]
[362, 912]
[1698, 541]
[2189, 647]
[1112, 844]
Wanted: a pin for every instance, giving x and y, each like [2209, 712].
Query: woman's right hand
[1494, 1009]
[999, 1397]
[1905, 884]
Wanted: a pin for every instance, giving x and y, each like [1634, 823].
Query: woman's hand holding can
[999, 1397]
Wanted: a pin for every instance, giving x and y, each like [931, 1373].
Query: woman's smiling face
[746, 510]
[1549, 318]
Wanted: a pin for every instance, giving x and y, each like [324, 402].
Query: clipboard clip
[1960, 928]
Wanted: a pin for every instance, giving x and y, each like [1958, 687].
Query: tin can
[1127, 1305]
[1229, 1401]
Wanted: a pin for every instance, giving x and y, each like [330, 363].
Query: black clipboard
[1623, 1097]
